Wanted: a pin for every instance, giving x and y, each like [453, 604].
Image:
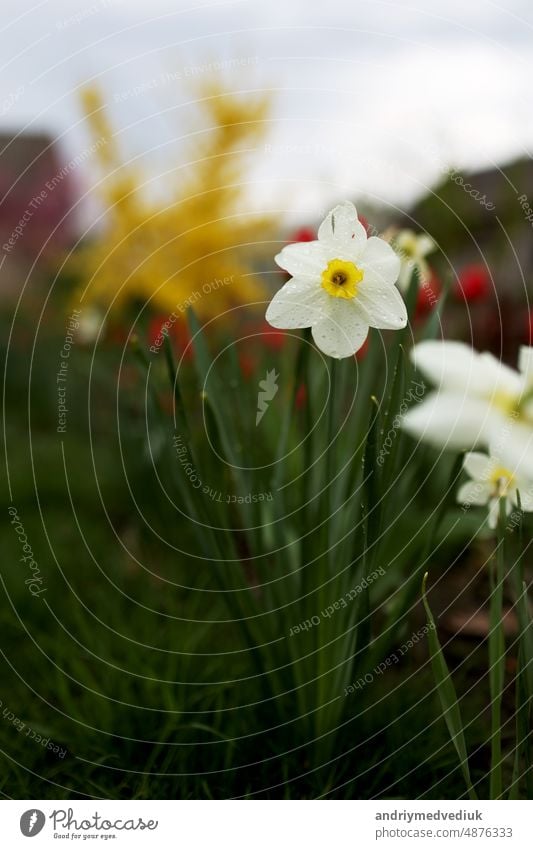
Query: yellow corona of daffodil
[195, 248]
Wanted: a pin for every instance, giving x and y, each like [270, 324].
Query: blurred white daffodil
[341, 285]
[413, 249]
[478, 401]
[90, 325]
[490, 481]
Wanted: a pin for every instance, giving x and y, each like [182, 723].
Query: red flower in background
[302, 234]
[116, 334]
[474, 283]
[271, 337]
[155, 329]
[248, 364]
[529, 328]
[428, 295]
[300, 399]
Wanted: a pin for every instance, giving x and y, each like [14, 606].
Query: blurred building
[484, 219]
[484, 216]
[37, 193]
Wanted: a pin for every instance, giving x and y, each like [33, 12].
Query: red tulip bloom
[247, 364]
[529, 328]
[474, 283]
[303, 234]
[271, 337]
[300, 399]
[428, 295]
[155, 329]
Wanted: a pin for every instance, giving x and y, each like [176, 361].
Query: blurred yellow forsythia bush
[171, 252]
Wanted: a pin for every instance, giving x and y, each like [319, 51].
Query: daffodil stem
[449, 702]
[307, 437]
[497, 657]
[524, 675]
[324, 575]
[330, 455]
[405, 599]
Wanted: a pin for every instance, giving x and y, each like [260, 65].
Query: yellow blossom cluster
[198, 244]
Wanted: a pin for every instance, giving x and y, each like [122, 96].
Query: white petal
[450, 420]
[474, 492]
[342, 225]
[525, 363]
[303, 259]
[342, 332]
[495, 377]
[379, 262]
[446, 363]
[455, 365]
[478, 465]
[512, 442]
[425, 245]
[299, 303]
[405, 276]
[383, 305]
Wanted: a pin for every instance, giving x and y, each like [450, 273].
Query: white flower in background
[491, 481]
[413, 249]
[341, 285]
[90, 323]
[478, 401]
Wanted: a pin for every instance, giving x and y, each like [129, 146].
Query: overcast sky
[370, 98]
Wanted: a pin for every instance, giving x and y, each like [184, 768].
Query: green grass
[131, 660]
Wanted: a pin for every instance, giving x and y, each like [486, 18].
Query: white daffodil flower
[478, 401]
[341, 285]
[413, 249]
[491, 481]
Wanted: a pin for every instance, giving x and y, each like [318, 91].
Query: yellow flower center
[408, 247]
[341, 278]
[502, 479]
[507, 403]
